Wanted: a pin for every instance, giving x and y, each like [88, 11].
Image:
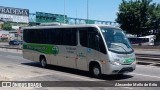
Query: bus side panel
[27, 54]
[105, 64]
[36, 56]
[100, 58]
[66, 56]
[53, 59]
[60, 57]
[48, 58]
[81, 61]
[70, 56]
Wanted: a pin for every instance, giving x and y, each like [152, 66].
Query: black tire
[96, 71]
[43, 62]
[120, 75]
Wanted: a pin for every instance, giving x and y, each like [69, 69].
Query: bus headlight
[116, 62]
[134, 62]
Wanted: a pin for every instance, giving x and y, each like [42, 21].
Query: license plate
[128, 61]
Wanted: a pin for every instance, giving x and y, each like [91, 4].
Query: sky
[98, 9]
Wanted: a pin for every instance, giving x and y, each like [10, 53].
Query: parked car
[20, 42]
[15, 42]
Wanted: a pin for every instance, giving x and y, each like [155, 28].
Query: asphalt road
[15, 68]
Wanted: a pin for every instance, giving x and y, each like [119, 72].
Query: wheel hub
[96, 71]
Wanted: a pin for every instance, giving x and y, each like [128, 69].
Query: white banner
[14, 18]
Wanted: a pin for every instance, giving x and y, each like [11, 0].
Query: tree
[7, 26]
[156, 17]
[138, 17]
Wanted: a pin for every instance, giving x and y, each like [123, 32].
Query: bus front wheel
[96, 71]
[43, 62]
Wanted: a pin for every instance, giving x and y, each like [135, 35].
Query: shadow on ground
[79, 72]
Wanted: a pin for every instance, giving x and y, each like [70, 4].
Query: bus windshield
[116, 40]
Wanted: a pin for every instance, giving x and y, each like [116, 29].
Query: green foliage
[157, 38]
[7, 26]
[138, 17]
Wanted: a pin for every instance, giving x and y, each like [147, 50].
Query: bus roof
[70, 26]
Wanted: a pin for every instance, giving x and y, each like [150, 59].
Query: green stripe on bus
[43, 48]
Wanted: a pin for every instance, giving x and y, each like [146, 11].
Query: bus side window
[83, 37]
[69, 37]
[74, 37]
[95, 40]
[32, 37]
[88, 39]
[57, 36]
[25, 35]
[92, 39]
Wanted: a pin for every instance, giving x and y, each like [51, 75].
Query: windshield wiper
[119, 46]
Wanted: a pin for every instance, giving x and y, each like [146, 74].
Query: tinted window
[93, 39]
[59, 36]
[83, 37]
[69, 36]
[28, 36]
[89, 38]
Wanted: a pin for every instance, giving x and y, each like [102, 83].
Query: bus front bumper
[118, 69]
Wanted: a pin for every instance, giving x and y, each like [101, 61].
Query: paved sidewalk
[11, 50]
[2, 78]
[147, 51]
[3, 43]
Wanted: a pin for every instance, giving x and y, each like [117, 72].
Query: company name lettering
[23, 12]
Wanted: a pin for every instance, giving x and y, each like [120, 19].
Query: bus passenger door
[81, 58]
[93, 45]
[82, 50]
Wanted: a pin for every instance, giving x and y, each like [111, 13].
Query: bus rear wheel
[43, 62]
